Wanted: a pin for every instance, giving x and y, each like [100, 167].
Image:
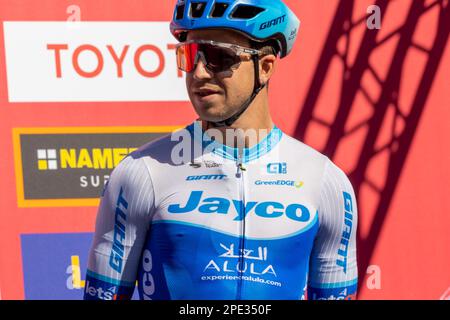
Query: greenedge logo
[60, 167]
[289, 183]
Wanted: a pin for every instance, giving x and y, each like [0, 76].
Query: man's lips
[206, 92]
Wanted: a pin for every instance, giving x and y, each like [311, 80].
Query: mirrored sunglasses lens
[186, 56]
[219, 59]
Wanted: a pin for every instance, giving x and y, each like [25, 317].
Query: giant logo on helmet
[271, 23]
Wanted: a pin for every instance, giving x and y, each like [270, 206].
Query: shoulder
[304, 154]
[336, 191]
[299, 148]
[329, 173]
[149, 159]
[335, 176]
[135, 168]
[130, 174]
[155, 148]
[165, 150]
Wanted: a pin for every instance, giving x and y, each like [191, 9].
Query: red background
[316, 96]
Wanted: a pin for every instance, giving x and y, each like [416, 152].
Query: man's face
[218, 96]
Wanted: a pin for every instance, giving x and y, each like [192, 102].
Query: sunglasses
[216, 56]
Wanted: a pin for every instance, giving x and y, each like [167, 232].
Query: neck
[251, 127]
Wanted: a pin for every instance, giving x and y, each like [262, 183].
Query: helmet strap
[257, 88]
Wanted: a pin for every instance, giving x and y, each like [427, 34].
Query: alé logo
[277, 168]
[266, 209]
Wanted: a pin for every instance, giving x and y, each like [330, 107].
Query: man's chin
[210, 118]
[210, 113]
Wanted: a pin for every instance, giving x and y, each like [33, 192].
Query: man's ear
[267, 66]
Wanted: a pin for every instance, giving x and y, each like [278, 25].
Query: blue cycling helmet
[260, 20]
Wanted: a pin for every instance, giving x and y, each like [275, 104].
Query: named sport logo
[95, 158]
[71, 164]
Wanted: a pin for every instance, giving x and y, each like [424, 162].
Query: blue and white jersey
[275, 221]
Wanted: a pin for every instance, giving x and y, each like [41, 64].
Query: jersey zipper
[241, 177]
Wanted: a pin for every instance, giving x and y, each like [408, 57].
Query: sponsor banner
[91, 61]
[70, 166]
[54, 265]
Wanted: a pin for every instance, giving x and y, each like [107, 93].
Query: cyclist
[247, 217]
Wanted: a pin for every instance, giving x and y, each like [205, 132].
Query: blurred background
[83, 83]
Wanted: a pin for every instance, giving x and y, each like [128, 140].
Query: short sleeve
[123, 220]
[333, 271]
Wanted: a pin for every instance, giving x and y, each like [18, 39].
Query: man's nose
[200, 71]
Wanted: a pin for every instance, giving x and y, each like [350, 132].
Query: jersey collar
[224, 151]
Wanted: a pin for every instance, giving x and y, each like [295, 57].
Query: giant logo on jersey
[118, 248]
[265, 209]
[346, 233]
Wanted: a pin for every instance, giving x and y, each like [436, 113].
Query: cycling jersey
[274, 221]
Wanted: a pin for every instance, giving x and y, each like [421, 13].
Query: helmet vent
[246, 12]
[197, 9]
[180, 12]
[219, 10]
